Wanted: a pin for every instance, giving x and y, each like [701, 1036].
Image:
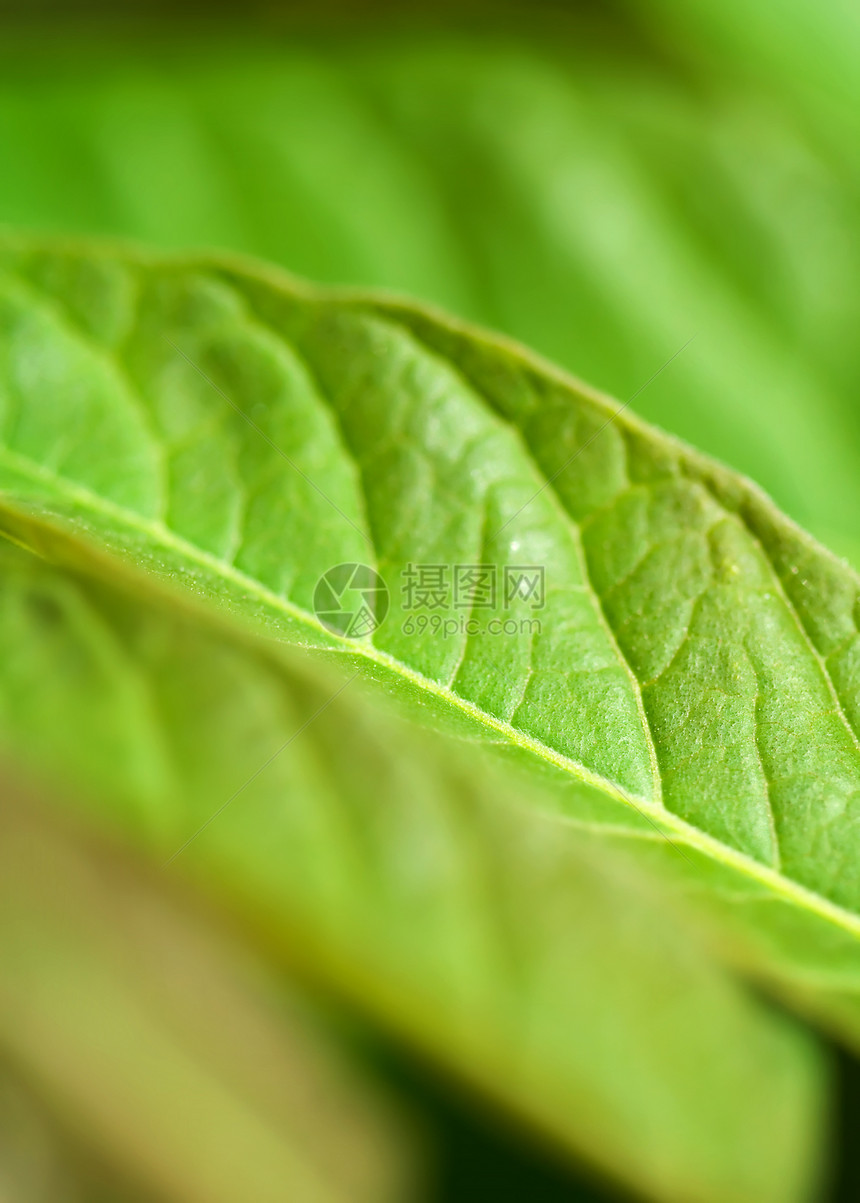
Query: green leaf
[235, 435]
[239, 434]
[401, 875]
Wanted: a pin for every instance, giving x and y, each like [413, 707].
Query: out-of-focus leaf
[587, 200]
[159, 1046]
[805, 54]
[41, 1163]
[413, 885]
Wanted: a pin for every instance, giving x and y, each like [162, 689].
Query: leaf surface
[238, 433]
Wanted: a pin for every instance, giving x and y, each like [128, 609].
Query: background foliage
[602, 182]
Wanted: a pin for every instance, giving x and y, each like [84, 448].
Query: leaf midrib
[686, 463]
[566, 518]
[658, 815]
[382, 310]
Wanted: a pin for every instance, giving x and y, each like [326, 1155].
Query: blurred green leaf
[157, 1044]
[597, 199]
[411, 884]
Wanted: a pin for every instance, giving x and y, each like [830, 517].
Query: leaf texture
[680, 605]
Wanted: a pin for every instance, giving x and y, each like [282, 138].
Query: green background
[603, 182]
